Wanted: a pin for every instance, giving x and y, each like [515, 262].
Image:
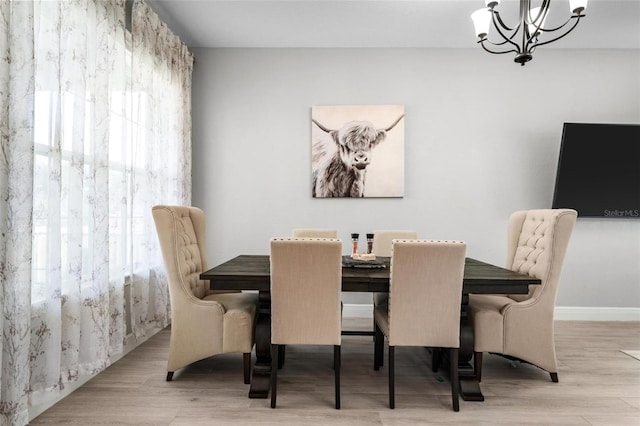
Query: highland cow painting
[357, 151]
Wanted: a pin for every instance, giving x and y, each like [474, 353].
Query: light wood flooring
[599, 385]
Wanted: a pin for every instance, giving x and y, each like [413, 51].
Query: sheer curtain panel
[95, 130]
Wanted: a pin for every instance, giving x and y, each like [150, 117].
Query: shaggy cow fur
[340, 161]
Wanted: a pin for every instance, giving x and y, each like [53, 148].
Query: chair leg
[554, 377]
[374, 325]
[281, 352]
[169, 376]
[392, 377]
[436, 359]
[336, 367]
[477, 365]
[246, 364]
[274, 375]
[455, 380]
[378, 348]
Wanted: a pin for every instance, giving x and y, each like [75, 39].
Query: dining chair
[306, 281]
[314, 233]
[203, 322]
[382, 247]
[306, 233]
[521, 326]
[425, 293]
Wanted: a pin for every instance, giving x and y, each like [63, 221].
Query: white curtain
[162, 67]
[95, 130]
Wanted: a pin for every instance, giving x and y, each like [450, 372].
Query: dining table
[252, 272]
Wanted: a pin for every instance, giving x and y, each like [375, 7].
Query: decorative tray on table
[364, 262]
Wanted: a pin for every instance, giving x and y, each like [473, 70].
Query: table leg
[261, 379]
[469, 385]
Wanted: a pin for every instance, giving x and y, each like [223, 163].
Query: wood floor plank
[599, 385]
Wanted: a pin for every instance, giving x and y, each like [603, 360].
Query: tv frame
[614, 212]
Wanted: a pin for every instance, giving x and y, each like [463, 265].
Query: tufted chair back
[186, 258]
[537, 243]
[182, 233]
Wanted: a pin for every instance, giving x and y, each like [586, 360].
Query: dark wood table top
[252, 272]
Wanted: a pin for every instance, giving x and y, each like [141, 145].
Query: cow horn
[386, 130]
[394, 124]
[321, 126]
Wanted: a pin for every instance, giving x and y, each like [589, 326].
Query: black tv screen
[599, 170]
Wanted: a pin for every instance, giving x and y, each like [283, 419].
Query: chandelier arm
[530, 21]
[492, 43]
[495, 44]
[506, 39]
[550, 30]
[557, 38]
[542, 14]
[499, 19]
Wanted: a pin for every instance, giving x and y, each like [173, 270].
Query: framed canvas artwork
[357, 151]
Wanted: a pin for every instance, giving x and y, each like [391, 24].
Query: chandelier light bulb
[577, 6]
[481, 21]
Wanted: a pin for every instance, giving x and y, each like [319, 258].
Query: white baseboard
[356, 310]
[562, 313]
[576, 313]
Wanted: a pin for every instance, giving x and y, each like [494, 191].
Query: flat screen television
[599, 170]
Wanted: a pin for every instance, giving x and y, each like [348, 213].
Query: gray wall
[482, 136]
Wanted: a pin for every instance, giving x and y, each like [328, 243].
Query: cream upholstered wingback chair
[203, 323]
[314, 233]
[382, 247]
[521, 326]
[425, 293]
[306, 280]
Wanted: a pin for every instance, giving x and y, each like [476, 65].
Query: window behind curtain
[127, 119]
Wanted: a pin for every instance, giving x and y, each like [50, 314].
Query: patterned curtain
[161, 90]
[95, 130]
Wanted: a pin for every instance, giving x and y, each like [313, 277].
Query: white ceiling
[375, 23]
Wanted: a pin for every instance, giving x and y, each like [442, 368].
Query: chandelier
[529, 32]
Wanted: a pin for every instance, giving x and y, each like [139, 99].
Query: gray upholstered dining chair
[306, 280]
[314, 233]
[425, 292]
[203, 323]
[382, 247]
[521, 326]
